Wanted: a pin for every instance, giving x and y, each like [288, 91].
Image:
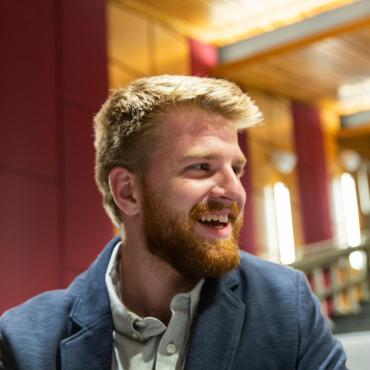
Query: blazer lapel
[89, 348]
[89, 345]
[216, 331]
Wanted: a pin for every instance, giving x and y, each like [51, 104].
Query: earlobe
[123, 185]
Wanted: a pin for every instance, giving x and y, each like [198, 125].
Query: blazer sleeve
[318, 349]
[2, 366]
[5, 353]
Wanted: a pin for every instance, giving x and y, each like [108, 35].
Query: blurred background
[305, 63]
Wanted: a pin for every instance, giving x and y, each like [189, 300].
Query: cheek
[186, 194]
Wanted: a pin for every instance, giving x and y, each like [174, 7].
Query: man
[173, 292]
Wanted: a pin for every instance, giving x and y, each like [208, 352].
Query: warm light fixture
[284, 161]
[338, 212]
[354, 97]
[346, 210]
[279, 223]
[247, 18]
[349, 197]
[364, 187]
[355, 89]
[284, 223]
[350, 160]
[357, 260]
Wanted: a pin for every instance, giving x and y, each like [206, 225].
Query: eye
[201, 167]
[239, 171]
[199, 170]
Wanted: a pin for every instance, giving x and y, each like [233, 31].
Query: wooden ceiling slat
[221, 22]
[310, 73]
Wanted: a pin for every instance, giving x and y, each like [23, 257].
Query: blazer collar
[93, 301]
[90, 343]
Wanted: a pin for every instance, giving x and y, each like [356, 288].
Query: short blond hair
[127, 127]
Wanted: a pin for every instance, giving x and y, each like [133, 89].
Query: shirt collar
[129, 323]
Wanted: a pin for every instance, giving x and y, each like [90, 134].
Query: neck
[148, 284]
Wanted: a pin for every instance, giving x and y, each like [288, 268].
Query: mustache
[205, 208]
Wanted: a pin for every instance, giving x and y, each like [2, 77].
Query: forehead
[195, 122]
[187, 132]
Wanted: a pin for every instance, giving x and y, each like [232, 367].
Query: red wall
[54, 77]
[312, 173]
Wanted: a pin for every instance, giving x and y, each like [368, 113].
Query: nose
[228, 188]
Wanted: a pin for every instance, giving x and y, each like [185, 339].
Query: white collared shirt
[146, 343]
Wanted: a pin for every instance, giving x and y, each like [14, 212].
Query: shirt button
[134, 335]
[171, 348]
[140, 324]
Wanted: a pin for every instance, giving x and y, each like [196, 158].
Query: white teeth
[208, 218]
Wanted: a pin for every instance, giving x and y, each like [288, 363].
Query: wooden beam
[354, 132]
[335, 22]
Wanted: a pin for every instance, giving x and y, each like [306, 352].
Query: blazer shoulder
[285, 316]
[33, 330]
[42, 316]
[37, 316]
[270, 285]
[261, 271]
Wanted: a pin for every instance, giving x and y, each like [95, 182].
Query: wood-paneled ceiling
[312, 73]
[311, 70]
[221, 22]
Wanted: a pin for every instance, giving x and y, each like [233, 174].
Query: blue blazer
[260, 316]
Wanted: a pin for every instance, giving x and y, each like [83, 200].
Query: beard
[170, 236]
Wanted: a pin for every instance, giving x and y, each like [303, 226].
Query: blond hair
[127, 127]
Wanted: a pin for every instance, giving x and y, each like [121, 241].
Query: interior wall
[141, 46]
[54, 78]
[275, 133]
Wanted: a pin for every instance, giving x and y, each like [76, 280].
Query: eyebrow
[209, 156]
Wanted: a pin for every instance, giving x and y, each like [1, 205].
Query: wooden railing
[339, 287]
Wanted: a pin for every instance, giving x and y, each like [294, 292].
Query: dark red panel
[28, 238]
[27, 109]
[44, 8]
[87, 228]
[312, 173]
[84, 52]
[202, 57]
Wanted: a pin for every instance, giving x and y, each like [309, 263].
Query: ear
[125, 190]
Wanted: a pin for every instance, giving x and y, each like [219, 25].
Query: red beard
[171, 237]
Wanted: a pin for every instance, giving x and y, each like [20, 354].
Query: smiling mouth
[214, 221]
